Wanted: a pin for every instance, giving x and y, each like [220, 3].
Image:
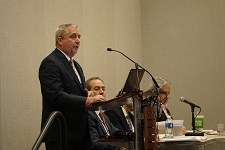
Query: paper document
[185, 138]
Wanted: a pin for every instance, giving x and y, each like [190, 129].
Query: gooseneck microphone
[136, 64]
[110, 50]
[194, 133]
[182, 99]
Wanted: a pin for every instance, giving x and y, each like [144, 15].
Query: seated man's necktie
[104, 122]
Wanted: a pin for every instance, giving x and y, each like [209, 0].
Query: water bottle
[169, 127]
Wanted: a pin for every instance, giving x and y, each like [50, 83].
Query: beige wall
[182, 41]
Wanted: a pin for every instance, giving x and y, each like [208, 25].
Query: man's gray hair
[61, 31]
[160, 81]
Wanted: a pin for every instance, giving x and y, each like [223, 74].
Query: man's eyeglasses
[165, 93]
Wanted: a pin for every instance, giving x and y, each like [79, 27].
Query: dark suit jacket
[97, 131]
[162, 116]
[117, 118]
[62, 91]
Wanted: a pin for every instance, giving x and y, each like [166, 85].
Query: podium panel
[150, 132]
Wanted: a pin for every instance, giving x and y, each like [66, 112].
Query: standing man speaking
[63, 89]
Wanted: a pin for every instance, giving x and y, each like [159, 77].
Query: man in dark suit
[99, 129]
[121, 116]
[63, 89]
[162, 99]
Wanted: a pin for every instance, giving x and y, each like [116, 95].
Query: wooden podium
[150, 129]
[97, 104]
[145, 133]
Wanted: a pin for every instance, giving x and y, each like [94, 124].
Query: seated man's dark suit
[162, 115]
[117, 118]
[98, 131]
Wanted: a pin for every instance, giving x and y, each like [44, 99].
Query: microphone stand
[137, 106]
[194, 133]
[136, 65]
[193, 118]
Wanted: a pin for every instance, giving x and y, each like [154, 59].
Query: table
[213, 142]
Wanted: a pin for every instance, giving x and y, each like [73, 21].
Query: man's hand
[93, 99]
[183, 129]
[89, 93]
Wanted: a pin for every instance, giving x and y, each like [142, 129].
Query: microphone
[182, 99]
[136, 64]
[109, 49]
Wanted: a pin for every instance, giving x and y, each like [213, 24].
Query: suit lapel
[131, 117]
[100, 123]
[70, 69]
[80, 73]
[124, 119]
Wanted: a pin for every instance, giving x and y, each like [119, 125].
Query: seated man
[161, 101]
[99, 124]
[121, 116]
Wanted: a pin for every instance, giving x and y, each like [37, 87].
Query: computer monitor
[133, 81]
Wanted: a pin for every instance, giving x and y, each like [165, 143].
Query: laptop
[133, 81]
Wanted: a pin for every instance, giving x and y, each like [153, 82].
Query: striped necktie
[129, 122]
[104, 122]
[75, 70]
